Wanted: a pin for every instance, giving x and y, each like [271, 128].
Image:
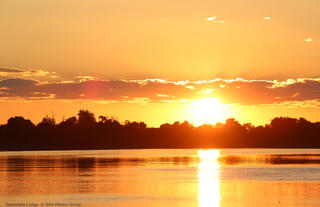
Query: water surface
[161, 177]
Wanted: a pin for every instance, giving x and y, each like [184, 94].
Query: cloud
[206, 91]
[82, 78]
[162, 95]
[10, 70]
[241, 91]
[308, 39]
[18, 88]
[214, 19]
[17, 83]
[211, 18]
[6, 73]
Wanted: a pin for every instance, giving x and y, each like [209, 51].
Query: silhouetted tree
[110, 122]
[85, 133]
[47, 122]
[19, 123]
[134, 125]
[19, 132]
[69, 123]
[86, 118]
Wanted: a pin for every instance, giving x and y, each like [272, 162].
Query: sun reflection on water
[208, 174]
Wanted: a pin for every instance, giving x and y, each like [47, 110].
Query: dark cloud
[17, 83]
[11, 70]
[300, 91]
[18, 87]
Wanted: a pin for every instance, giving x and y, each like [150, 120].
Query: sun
[207, 111]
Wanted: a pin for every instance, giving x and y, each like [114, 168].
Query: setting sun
[208, 111]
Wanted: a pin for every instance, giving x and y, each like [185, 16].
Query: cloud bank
[231, 91]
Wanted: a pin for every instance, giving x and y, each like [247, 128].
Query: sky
[153, 61]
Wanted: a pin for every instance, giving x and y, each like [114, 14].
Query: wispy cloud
[10, 70]
[6, 72]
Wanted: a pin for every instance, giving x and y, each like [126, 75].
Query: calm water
[227, 177]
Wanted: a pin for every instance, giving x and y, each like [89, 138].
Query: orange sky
[143, 60]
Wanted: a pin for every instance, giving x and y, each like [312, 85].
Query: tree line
[84, 131]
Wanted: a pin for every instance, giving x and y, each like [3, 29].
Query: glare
[212, 155]
[208, 174]
[207, 111]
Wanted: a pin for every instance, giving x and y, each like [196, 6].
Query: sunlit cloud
[207, 90]
[279, 84]
[308, 39]
[211, 18]
[140, 100]
[36, 73]
[6, 72]
[299, 104]
[162, 95]
[190, 87]
[82, 78]
[288, 82]
[67, 81]
[214, 19]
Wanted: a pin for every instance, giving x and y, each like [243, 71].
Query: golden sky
[152, 60]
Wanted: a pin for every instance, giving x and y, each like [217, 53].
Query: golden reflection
[208, 174]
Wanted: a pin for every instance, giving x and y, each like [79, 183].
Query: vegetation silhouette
[85, 132]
